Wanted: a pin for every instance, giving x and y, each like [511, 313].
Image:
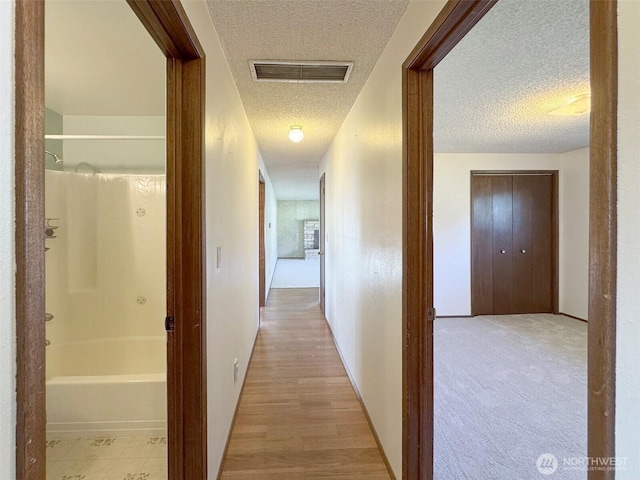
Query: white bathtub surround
[106, 275]
[111, 405]
[107, 458]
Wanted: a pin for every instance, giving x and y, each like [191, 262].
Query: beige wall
[364, 234]
[452, 224]
[291, 217]
[7, 249]
[628, 304]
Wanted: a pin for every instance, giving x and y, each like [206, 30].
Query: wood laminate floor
[299, 417]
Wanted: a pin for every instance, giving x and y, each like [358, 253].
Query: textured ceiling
[521, 60]
[349, 30]
[492, 91]
[99, 60]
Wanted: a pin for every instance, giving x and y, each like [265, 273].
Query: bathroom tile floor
[107, 458]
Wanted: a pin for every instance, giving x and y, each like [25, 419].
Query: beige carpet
[507, 390]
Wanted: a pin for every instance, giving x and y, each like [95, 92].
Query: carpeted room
[510, 388]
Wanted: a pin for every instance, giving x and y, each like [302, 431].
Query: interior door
[513, 243]
[322, 238]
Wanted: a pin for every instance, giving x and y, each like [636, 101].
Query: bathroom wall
[105, 274]
[291, 217]
[120, 156]
[52, 126]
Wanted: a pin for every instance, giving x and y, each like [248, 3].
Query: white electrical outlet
[235, 370]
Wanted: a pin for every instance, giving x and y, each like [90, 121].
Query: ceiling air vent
[300, 72]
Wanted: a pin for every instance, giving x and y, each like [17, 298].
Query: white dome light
[296, 134]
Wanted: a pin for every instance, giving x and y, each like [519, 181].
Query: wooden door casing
[453, 22]
[322, 238]
[169, 26]
[262, 282]
[514, 242]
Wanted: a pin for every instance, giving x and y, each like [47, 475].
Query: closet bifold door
[523, 243]
[481, 245]
[512, 244]
[502, 253]
[542, 251]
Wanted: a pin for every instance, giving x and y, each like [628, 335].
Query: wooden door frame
[262, 280]
[322, 243]
[555, 229]
[169, 26]
[455, 20]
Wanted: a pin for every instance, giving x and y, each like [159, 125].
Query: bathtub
[106, 405]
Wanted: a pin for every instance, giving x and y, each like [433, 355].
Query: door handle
[523, 251]
[320, 252]
[503, 251]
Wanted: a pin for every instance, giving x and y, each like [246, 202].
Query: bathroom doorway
[166, 24]
[105, 244]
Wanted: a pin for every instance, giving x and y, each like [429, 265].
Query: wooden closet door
[481, 245]
[542, 251]
[502, 252]
[523, 243]
[512, 243]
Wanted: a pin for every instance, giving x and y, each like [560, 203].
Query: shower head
[55, 157]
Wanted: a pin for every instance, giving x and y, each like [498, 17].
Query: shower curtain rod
[104, 137]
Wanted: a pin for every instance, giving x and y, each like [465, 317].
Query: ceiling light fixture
[578, 105]
[296, 134]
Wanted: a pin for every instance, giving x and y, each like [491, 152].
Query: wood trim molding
[262, 280]
[573, 317]
[453, 22]
[417, 275]
[456, 19]
[603, 233]
[30, 299]
[186, 346]
[168, 24]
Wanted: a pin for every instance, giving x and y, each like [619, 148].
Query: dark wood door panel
[482, 245]
[543, 239]
[523, 244]
[502, 244]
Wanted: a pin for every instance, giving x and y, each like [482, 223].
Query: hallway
[299, 417]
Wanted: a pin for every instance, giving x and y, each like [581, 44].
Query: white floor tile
[129, 469]
[56, 448]
[117, 458]
[63, 470]
[96, 469]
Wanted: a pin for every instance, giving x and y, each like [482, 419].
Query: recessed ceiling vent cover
[300, 72]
